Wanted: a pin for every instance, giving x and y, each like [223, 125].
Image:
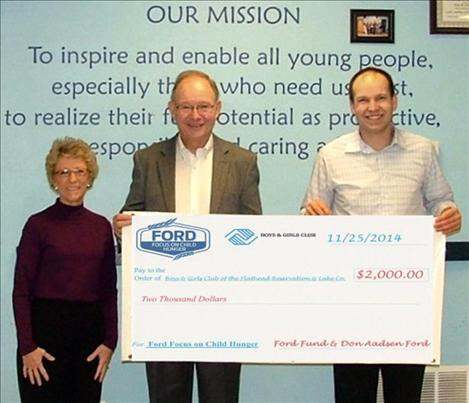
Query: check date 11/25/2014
[364, 238]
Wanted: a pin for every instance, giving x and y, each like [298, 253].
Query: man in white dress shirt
[379, 170]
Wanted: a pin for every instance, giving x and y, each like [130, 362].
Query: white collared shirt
[404, 178]
[193, 185]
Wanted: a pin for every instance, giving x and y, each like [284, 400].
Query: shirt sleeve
[437, 193]
[109, 287]
[250, 197]
[26, 270]
[136, 198]
[319, 186]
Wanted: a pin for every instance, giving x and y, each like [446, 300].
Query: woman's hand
[104, 355]
[33, 367]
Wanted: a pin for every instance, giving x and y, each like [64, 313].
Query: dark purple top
[65, 253]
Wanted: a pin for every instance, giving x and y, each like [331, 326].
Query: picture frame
[372, 25]
[449, 17]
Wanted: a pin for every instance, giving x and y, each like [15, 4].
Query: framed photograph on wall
[449, 17]
[372, 26]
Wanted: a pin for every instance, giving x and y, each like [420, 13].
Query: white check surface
[282, 289]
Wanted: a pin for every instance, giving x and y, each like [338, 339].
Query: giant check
[282, 289]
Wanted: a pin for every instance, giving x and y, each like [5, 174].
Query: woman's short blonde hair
[75, 148]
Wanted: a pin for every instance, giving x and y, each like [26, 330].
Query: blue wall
[432, 72]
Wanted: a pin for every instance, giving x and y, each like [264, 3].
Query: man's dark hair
[371, 70]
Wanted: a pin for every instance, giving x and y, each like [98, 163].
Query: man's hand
[119, 221]
[317, 207]
[449, 221]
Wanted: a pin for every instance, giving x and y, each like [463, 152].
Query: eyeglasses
[65, 173]
[203, 109]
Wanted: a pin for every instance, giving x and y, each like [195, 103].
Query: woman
[64, 296]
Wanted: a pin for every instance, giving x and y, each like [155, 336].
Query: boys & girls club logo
[241, 236]
[172, 239]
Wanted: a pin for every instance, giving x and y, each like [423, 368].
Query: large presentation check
[282, 289]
